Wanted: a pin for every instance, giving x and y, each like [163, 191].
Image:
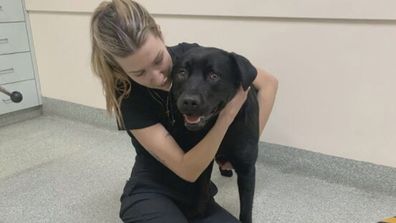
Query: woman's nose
[157, 75]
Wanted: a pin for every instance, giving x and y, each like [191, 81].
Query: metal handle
[7, 71]
[15, 96]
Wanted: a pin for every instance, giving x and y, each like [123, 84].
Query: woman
[133, 63]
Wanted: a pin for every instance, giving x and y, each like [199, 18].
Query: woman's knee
[217, 214]
[150, 208]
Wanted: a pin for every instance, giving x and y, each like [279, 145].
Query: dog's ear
[246, 71]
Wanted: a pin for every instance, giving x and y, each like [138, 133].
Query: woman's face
[150, 65]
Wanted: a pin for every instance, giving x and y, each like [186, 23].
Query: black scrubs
[154, 193]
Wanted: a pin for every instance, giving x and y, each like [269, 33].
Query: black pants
[154, 207]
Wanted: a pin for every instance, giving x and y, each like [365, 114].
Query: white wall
[335, 64]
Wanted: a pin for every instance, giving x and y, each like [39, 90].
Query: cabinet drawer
[15, 67]
[11, 11]
[13, 38]
[27, 89]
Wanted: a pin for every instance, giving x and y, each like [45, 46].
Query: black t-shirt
[145, 107]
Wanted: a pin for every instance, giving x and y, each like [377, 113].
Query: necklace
[166, 105]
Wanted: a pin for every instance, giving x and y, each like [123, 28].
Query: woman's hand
[232, 108]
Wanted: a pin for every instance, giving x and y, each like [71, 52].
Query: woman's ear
[246, 71]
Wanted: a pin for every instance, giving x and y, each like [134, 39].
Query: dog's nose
[191, 102]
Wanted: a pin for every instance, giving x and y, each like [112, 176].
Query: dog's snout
[191, 102]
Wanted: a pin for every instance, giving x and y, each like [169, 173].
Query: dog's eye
[213, 76]
[182, 74]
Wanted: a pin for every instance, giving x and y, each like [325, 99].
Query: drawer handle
[7, 71]
[15, 96]
[3, 40]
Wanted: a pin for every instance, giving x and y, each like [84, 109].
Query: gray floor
[58, 170]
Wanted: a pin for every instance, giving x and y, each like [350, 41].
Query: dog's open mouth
[195, 122]
[192, 119]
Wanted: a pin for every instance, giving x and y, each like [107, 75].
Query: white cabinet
[11, 11]
[17, 72]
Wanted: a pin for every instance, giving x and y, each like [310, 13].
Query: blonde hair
[118, 29]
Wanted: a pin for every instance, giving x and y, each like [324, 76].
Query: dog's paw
[225, 173]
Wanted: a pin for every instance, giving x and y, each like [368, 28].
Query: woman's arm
[267, 86]
[189, 166]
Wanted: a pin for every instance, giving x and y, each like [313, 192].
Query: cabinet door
[28, 91]
[15, 67]
[11, 11]
[13, 38]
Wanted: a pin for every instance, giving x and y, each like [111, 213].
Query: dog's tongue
[191, 119]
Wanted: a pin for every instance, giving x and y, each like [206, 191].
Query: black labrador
[204, 80]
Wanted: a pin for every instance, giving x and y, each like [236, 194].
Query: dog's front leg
[246, 185]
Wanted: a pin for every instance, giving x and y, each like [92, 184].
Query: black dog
[204, 80]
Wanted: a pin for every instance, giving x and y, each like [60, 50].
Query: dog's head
[204, 80]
